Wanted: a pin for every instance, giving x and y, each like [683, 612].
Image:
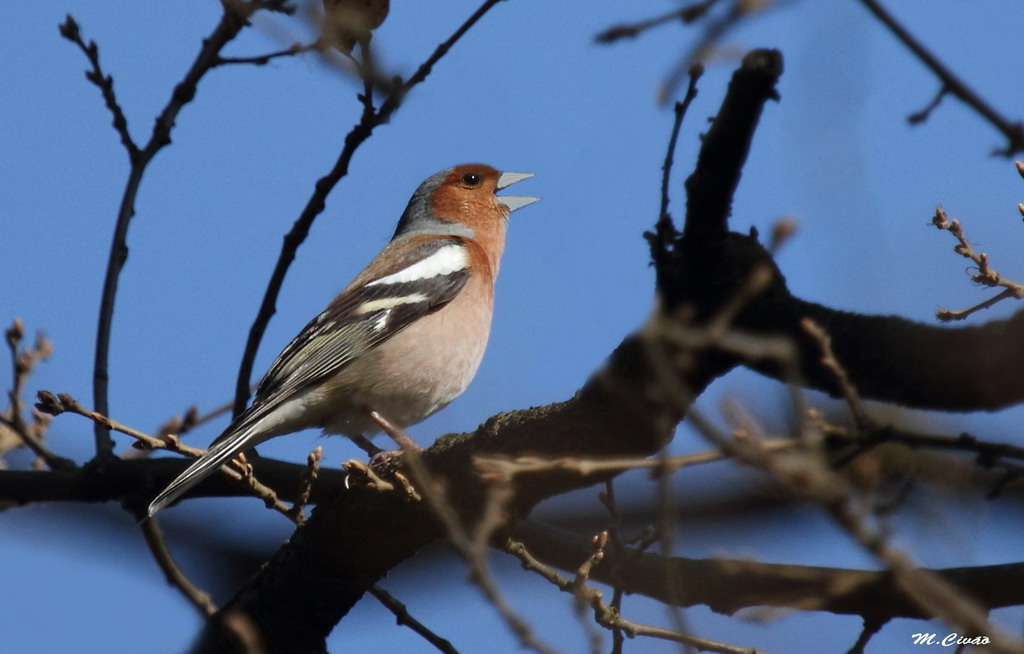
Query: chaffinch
[401, 341]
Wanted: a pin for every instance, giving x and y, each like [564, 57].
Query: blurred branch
[234, 18]
[605, 615]
[715, 29]
[31, 435]
[503, 469]
[369, 120]
[264, 59]
[988, 455]
[807, 474]
[624, 410]
[1014, 132]
[871, 627]
[471, 542]
[686, 15]
[729, 585]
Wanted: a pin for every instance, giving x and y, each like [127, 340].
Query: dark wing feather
[340, 334]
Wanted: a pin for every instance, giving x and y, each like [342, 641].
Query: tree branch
[234, 18]
[1014, 132]
[729, 585]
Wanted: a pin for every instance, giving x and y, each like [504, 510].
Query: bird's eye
[471, 179]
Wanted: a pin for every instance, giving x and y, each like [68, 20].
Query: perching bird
[403, 339]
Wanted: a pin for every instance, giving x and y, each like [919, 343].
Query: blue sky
[527, 90]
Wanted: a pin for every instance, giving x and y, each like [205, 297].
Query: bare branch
[687, 15]
[197, 597]
[62, 402]
[306, 485]
[70, 30]
[1014, 132]
[233, 19]
[264, 59]
[605, 615]
[986, 275]
[31, 435]
[403, 618]
[665, 233]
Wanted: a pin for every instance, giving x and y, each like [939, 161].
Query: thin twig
[686, 15]
[607, 498]
[471, 546]
[23, 362]
[806, 474]
[197, 597]
[234, 18]
[64, 403]
[871, 627]
[309, 476]
[836, 369]
[368, 121]
[178, 426]
[665, 232]
[403, 618]
[715, 29]
[666, 540]
[987, 454]
[986, 275]
[264, 59]
[605, 615]
[71, 31]
[1014, 132]
[494, 468]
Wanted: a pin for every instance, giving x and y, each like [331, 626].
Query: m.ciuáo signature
[950, 640]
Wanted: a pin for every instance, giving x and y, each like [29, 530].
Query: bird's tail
[221, 452]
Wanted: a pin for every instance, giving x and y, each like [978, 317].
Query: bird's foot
[365, 445]
[400, 437]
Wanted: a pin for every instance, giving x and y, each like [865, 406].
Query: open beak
[513, 202]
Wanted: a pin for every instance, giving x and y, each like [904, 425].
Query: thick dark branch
[709, 190]
[629, 408]
[913, 364]
[350, 542]
[887, 358]
[728, 585]
[136, 481]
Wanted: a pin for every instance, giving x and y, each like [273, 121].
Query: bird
[401, 341]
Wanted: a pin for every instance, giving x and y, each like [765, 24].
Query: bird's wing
[424, 274]
[408, 280]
